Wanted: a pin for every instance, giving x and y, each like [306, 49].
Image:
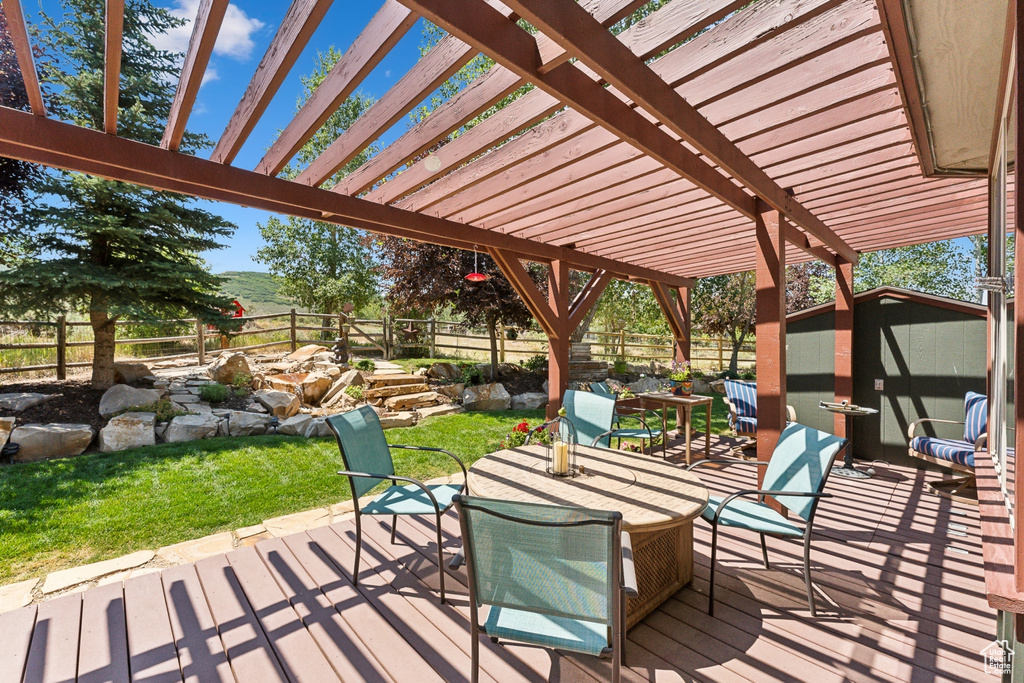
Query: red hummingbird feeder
[476, 275]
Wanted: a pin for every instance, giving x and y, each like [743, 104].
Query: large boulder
[130, 373]
[399, 419]
[6, 427]
[279, 403]
[42, 441]
[229, 366]
[444, 371]
[486, 397]
[131, 430]
[314, 386]
[121, 397]
[305, 353]
[192, 428]
[295, 425]
[644, 385]
[452, 390]
[529, 400]
[21, 401]
[317, 428]
[347, 379]
[247, 424]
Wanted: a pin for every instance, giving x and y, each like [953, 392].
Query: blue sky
[248, 28]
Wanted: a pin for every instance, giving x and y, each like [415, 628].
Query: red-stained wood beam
[770, 332]
[383, 32]
[113, 35]
[40, 140]
[516, 49]
[587, 298]
[528, 291]
[1018, 309]
[200, 47]
[844, 339]
[298, 25]
[18, 30]
[677, 313]
[566, 23]
[560, 343]
[800, 241]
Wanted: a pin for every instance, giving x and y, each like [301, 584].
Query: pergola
[709, 138]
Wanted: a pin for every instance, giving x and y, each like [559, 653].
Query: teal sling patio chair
[593, 416]
[548, 575]
[795, 476]
[368, 462]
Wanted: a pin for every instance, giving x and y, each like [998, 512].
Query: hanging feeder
[476, 275]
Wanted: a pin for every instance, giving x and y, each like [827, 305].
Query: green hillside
[256, 291]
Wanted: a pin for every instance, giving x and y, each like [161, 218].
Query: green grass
[61, 513]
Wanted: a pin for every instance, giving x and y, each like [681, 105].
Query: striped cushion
[960, 452]
[976, 418]
[745, 425]
[743, 396]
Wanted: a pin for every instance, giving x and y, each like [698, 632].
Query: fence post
[62, 347]
[201, 341]
[501, 341]
[293, 333]
[721, 358]
[622, 344]
[433, 336]
[225, 341]
[386, 335]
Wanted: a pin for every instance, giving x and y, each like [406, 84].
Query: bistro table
[684, 408]
[848, 410]
[658, 502]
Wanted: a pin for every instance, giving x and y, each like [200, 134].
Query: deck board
[896, 603]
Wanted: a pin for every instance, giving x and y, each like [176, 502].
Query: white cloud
[210, 75]
[234, 40]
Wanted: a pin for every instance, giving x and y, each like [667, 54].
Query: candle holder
[561, 448]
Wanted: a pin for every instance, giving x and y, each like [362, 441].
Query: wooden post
[201, 341]
[294, 332]
[677, 313]
[501, 342]
[622, 344]
[770, 332]
[225, 341]
[683, 350]
[844, 339]
[62, 347]
[558, 346]
[433, 337]
[1018, 312]
[721, 354]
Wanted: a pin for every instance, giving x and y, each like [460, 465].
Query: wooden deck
[899, 574]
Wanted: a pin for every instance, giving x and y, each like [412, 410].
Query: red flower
[522, 427]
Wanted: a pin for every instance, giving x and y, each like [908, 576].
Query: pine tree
[110, 249]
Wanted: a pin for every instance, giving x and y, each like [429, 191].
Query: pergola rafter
[18, 31]
[114, 25]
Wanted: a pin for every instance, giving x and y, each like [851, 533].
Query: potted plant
[682, 378]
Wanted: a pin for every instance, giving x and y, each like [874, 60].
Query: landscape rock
[6, 427]
[314, 386]
[421, 372]
[40, 441]
[529, 400]
[295, 425]
[223, 426]
[247, 424]
[229, 366]
[452, 390]
[317, 428]
[444, 371]
[347, 379]
[509, 369]
[161, 430]
[544, 386]
[130, 373]
[65, 578]
[255, 408]
[279, 403]
[486, 397]
[131, 430]
[191, 428]
[402, 419]
[643, 385]
[21, 401]
[443, 409]
[305, 353]
[185, 398]
[121, 397]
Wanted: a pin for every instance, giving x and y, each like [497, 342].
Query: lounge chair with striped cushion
[954, 454]
[741, 399]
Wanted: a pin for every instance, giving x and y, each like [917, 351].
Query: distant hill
[256, 291]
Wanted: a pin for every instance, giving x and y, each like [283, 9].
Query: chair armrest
[726, 461]
[394, 478]
[981, 443]
[913, 425]
[791, 413]
[761, 493]
[628, 569]
[629, 411]
[434, 450]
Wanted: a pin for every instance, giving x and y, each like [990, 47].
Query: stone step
[397, 390]
[408, 401]
[378, 379]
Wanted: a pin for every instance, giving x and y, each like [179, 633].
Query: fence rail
[68, 343]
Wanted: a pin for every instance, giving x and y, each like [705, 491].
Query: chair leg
[622, 629]
[764, 551]
[475, 655]
[440, 556]
[394, 527]
[359, 545]
[807, 573]
[711, 581]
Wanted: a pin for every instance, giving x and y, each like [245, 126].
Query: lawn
[61, 513]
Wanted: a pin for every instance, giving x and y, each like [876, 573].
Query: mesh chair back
[975, 416]
[743, 396]
[801, 463]
[601, 388]
[591, 414]
[363, 447]
[546, 559]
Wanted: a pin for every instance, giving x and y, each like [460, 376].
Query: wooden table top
[650, 493]
[669, 397]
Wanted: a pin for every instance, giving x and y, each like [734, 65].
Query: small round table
[658, 502]
[846, 410]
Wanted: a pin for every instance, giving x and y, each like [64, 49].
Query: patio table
[658, 502]
[684, 409]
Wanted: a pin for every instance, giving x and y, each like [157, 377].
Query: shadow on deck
[898, 573]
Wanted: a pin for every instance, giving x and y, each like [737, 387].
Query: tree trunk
[577, 335]
[103, 331]
[734, 358]
[492, 334]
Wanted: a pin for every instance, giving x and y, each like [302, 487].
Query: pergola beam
[30, 138]
[113, 35]
[588, 296]
[18, 31]
[200, 47]
[514, 48]
[596, 47]
[528, 291]
[297, 27]
[677, 313]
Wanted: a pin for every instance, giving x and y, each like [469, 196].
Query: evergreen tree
[110, 249]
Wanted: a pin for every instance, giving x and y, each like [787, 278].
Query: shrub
[213, 392]
[621, 367]
[471, 374]
[366, 365]
[728, 374]
[242, 381]
[535, 363]
[748, 375]
[354, 391]
[164, 409]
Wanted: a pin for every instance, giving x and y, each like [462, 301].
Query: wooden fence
[67, 344]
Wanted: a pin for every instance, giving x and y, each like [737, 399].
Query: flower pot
[683, 388]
